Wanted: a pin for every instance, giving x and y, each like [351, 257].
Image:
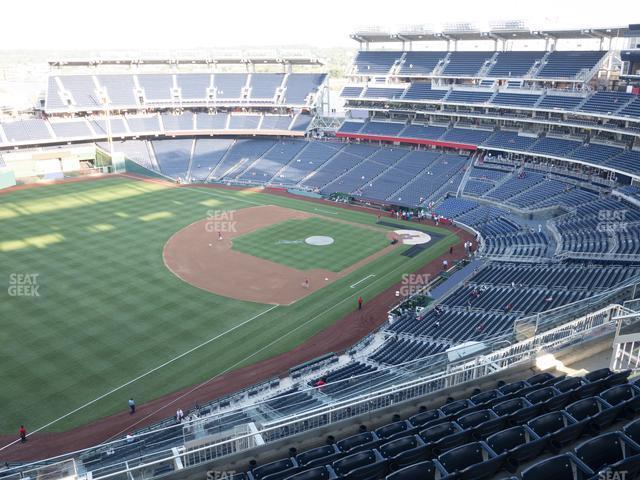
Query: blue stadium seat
[424, 471]
[596, 412]
[474, 460]
[405, 451]
[319, 456]
[561, 467]
[520, 444]
[613, 449]
[360, 466]
[559, 428]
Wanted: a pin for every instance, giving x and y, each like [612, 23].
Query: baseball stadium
[255, 266]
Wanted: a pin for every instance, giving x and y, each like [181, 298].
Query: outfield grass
[108, 310]
[284, 243]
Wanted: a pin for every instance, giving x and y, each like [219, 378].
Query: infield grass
[107, 310]
[284, 243]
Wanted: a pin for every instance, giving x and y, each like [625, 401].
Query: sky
[190, 24]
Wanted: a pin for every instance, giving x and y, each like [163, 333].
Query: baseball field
[117, 288]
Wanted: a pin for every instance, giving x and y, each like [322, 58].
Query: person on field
[23, 434]
[132, 406]
[359, 303]
[219, 235]
[305, 284]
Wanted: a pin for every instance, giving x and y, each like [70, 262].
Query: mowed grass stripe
[110, 310]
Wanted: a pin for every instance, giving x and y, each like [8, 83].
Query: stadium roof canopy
[81, 62]
[466, 31]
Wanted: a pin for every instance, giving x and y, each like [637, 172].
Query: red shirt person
[23, 434]
[359, 303]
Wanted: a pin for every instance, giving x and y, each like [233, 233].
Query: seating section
[26, 130]
[173, 156]
[607, 103]
[526, 427]
[420, 63]
[602, 226]
[422, 91]
[515, 99]
[566, 64]
[206, 155]
[558, 147]
[383, 92]
[465, 64]
[509, 140]
[514, 64]
[91, 92]
[375, 62]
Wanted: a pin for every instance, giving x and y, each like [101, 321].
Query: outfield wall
[7, 179]
[133, 167]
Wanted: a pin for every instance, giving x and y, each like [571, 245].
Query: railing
[594, 324]
[534, 324]
[626, 343]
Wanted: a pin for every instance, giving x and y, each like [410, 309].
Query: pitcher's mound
[318, 240]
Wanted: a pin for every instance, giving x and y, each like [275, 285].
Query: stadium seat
[405, 451]
[569, 384]
[395, 430]
[617, 378]
[483, 397]
[318, 456]
[454, 407]
[608, 450]
[520, 444]
[596, 375]
[541, 379]
[559, 427]
[279, 469]
[561, 467]
[474, 460]
[424, 471]
[452, 441]
[436, 432]
[597, 413]
[518, 410]
[632, 430]
[317, 473]
[483, 423]
[358, 442]
[550, 398]
[626, 395]
[361, 465]
[426, 417]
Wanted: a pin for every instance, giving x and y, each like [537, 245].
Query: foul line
[325, 211]
[240, 362]
[155, 369]
[362, 280]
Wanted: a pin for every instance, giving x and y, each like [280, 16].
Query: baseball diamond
[414, 257]
[134, 268]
